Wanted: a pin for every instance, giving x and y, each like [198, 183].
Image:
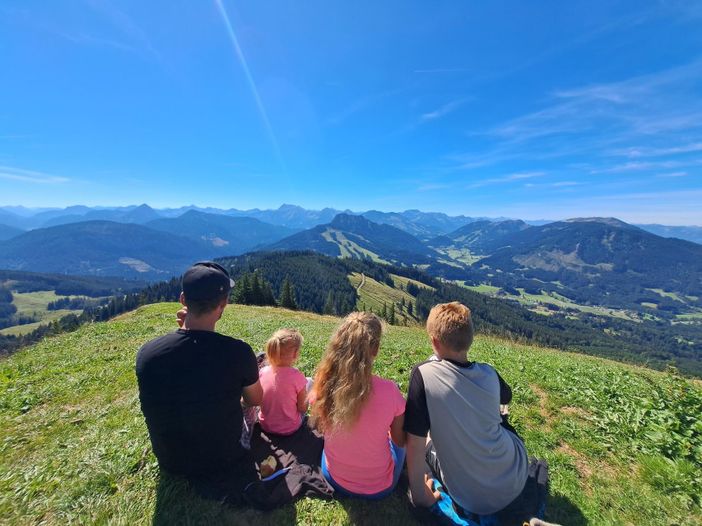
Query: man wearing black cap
[190, 385]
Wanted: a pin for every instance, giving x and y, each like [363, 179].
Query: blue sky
[545, 109]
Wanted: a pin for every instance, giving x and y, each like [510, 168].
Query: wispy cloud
[644, 105]
[28, 176]
[444, 110]
[82, 38]
[638, 166]
[430, 187]
[519, 176]
[137, 39]
[441, 70]
[363, 103]
[642, 151]
[674, 174]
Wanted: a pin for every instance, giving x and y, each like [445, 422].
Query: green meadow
[624, 444]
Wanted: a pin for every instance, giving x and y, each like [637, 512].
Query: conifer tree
[391, 314]
[287, 295]
[329, 304]
[256, 290]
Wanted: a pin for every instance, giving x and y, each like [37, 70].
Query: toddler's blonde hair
[281, 338]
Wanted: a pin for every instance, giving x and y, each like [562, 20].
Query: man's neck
[203, 323]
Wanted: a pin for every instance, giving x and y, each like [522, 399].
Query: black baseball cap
[206, 280]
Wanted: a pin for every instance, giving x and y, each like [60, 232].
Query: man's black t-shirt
[190, 384]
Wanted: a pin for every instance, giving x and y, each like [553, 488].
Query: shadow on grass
[177, 502]
[393, 510]
[561, 510]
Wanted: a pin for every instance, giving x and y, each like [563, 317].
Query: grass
[34, 304]
[45, 317]
[671, 295]
[623, 443]
[373, 294]
[460, 254]
[348, 248]
[536, 302]
[693, 316]
[30, 302]
[483, 288]
[402, 281]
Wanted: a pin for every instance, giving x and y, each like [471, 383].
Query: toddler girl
[284, 387]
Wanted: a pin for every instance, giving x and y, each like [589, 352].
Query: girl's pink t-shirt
[359, 458]
[279, 412]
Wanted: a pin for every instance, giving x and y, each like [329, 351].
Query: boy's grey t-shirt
[483, 465]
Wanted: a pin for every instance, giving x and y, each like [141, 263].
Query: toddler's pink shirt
[279, 412]
[359, 458]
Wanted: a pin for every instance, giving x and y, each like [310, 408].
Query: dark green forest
[314, 282]
[317, 278]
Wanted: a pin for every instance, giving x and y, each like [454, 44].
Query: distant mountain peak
[344, 220]
[611, 221]
[286, 206]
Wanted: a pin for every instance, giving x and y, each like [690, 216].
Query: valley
[635, 293]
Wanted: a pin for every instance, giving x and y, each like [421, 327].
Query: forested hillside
[357, 237]
[599, 262]
[321, 284]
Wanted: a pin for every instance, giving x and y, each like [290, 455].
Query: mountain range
[356, 237]
[423, 225]
[585, 261]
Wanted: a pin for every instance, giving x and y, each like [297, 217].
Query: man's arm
[252, 394]
[420, 484]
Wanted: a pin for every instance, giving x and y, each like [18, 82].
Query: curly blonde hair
[280, 339]
[342, 382]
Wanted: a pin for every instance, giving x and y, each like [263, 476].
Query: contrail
[252, 84]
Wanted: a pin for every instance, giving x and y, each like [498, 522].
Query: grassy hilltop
[624, 444]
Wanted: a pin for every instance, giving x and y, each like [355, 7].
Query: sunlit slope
[375, 296]
[623, 443]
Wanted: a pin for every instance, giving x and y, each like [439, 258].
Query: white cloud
[506, 179]
[663, 102]
[637, 166]
[442, 70]
[444, 110]
[28, 176]
[642, 151]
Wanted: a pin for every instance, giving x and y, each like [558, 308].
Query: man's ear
[182, 299]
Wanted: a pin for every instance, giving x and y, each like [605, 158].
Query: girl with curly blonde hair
[360, 414]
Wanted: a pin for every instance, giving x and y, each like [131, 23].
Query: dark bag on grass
[298, 472]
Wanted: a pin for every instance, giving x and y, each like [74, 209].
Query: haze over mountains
[595, 261]
[596, 280]
[423, 225]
